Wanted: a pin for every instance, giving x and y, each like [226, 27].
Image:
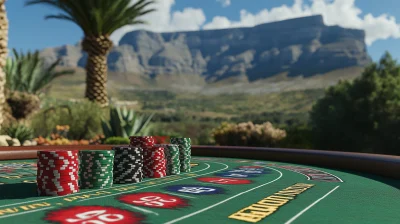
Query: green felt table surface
[217, 190]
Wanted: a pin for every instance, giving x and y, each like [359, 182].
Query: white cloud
[225, 3]
[338, 12]
[335, 12]
[164, 20]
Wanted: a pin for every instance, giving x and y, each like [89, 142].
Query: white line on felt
[22, 213]
[180, 195]
[142, 209]
[221, 202]
[56, 197]
[304, 210]
[156, 184]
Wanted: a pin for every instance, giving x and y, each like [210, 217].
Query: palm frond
[28, 73]
[98, 17]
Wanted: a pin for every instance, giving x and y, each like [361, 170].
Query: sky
[379, 18]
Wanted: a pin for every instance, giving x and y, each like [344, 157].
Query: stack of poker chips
[96, 169]
[171, 152]
[184, 152]
[128, 165]
[154, 162]
[57, 173]
[145, 143]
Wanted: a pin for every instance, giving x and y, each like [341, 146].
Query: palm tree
[3, 55]
[98, 19]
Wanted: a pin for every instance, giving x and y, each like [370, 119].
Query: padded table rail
[383, 165]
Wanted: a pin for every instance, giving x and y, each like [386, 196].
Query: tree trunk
[96, 68]
[3, 56]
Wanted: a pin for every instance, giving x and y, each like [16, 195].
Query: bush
[83, 118]
[298, 137]
[125, 123]
[18, 131]
[248, 134]
[117, 141]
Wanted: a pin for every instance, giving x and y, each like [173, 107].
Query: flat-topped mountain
[303, 46]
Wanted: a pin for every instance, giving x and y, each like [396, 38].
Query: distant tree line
[363, 115]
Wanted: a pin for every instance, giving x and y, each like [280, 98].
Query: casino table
[225, 185]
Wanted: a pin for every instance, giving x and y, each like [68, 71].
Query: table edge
[382, 165]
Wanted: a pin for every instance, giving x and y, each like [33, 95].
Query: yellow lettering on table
[125, 188]
[248, 217]
[272, 202]
[150, 183]
[266, 209]
[24, 207]
[291, 192]
[258, 211]
[29, 181]
[76, 198]
[8, 210]
[44, 204]
[102, 192]
[277, 197]
[12, 177]
[305, 185]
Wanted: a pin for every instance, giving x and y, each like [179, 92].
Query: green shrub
[298, 137]
[125, 123]
[248, 134]
[28, 72]
[18, 131]
[117, 141]
[83, 118]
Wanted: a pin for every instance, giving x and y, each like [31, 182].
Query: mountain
[297, 47]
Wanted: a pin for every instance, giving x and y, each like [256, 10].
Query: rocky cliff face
[302, 46]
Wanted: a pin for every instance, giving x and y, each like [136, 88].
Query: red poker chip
[151, 162]
[60, 182]
[58, 178]
[60, 157]
[57, 166]
[58, 161]
[70, 166]
[58, 152]
[57, 171]
[57, 187]
[52, 175]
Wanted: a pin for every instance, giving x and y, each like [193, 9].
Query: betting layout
[217, 190]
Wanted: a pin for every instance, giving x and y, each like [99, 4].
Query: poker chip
[154, 162]
[184, 152]
[128, 165]
[96, 169]
[57, 173]
[142, 141]
[171, 152]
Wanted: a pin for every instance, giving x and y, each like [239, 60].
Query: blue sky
[380, 19]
